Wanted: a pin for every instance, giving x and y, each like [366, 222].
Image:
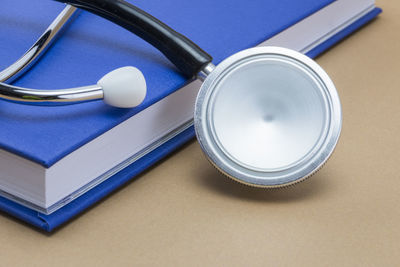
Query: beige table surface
[182, 212]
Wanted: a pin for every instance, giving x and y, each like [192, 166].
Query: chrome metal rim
[260, 177]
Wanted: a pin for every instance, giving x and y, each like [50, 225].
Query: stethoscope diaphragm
[268, 117]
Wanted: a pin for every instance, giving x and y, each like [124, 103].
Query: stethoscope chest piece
[268, 117]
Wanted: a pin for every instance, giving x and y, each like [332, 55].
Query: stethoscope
[266, 116]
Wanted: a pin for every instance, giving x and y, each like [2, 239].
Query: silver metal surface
[202, 75]
[45, 97]
[39, 47]
[50, 97]
[268, 117]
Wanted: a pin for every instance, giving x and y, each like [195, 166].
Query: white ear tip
[124, 87]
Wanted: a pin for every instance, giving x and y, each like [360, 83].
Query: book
[57, 161]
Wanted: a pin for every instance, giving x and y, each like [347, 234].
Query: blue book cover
[91, 47]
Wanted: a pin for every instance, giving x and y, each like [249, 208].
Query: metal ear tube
[124, 87]
[39, 47]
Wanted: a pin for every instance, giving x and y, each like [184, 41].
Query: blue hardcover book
[55, 162]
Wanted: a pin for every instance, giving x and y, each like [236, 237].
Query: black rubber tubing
[188, 57]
